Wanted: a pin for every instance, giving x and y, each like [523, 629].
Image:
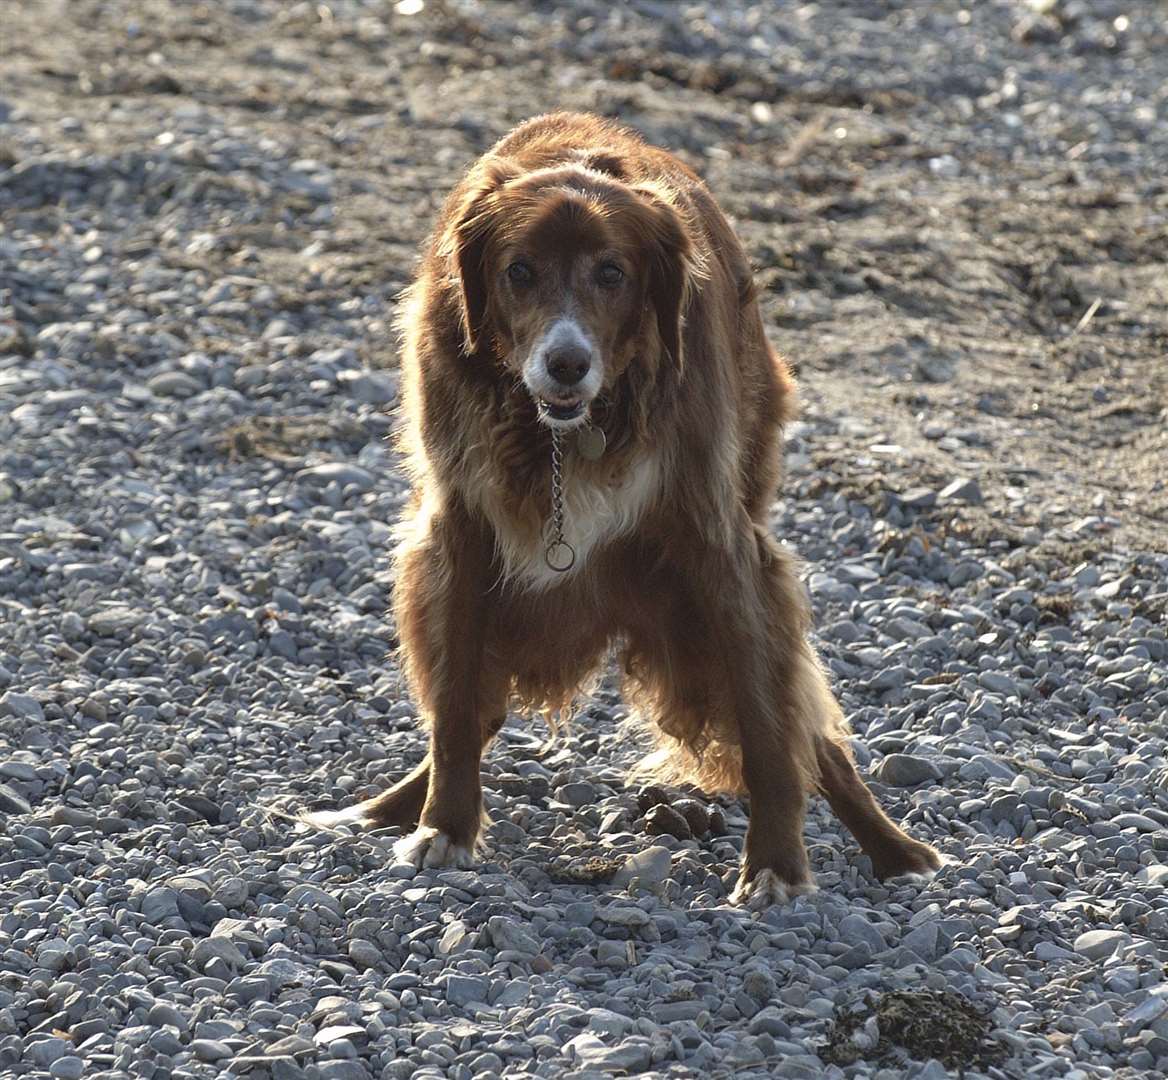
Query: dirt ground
[958, 210]
[959, 213]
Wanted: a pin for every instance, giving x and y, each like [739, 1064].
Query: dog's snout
[563, 373]
[568, 364]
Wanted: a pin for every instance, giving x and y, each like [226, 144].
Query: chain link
[559, 554]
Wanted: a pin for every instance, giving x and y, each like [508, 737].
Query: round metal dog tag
[560, 555]
[590, 442]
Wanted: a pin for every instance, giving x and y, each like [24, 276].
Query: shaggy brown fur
[685, 580]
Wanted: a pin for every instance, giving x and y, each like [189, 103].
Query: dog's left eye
[520, 273]
[609, 275]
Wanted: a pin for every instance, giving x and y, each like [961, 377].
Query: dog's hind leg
[735, 624]
[402, 804]
[892, 851]
[399, 806]
[812, 708]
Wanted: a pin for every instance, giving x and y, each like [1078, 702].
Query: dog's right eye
[519, 273]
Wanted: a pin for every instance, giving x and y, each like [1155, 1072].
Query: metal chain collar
[559, 554]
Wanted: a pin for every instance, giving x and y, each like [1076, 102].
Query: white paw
[765, 889]
[922, 877]
[913, 877]
[426, 846]
[330, 819]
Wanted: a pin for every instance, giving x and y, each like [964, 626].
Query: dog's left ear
[673, 266]
[465, 243]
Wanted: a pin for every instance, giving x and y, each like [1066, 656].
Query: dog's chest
[595, 514]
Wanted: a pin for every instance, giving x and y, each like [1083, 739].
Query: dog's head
[569, 275]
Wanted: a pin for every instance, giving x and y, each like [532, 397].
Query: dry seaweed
[921, 1024]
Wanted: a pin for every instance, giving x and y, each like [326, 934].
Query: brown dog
[583, 298]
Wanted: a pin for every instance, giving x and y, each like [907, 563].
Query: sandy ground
[960, 217]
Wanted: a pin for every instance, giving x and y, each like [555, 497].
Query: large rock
[340, 472]
[906, 770]
[630, 1056]
[650, 867]
[1100, 944]
[216, 948]
[855, 929]
[22, 706]
[511, 936]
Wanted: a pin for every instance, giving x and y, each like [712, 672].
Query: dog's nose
[568, 364]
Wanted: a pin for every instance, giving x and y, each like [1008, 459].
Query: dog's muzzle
[563, 374]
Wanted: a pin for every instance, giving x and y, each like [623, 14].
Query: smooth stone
[577, 794]
[231, 892]
[651, 866]
[1141, 822]
[159, 904]
[620, 915]
[22, 706]
[997, 683]
[339, 472]
[312, 897]
[210, 949]
[210, 1050]
[629, 1056]
[962, 490]
[855, 929]
[174, 384]
[70, 1067]
[12, 802]
[463, 989]
[365, 954]
[510, 935]
[45, 1051]
[1100, 944]
[906, 770]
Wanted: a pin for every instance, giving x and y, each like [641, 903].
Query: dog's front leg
[757, 626]
[775, 866]
[442, 614]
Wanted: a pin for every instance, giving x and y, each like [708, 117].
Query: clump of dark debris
[596, 870]
[919, 1024]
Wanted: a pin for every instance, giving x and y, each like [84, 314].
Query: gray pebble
[1099, 944]
[664, 820]
[906, 770]
[510, 936]
[69, 1067]
[337, 472]
[210, 1050]
[176, 384]
[965, 490]
[463, 989]
[650, 866]
[23, 706]
[199, 502]
[216, 948]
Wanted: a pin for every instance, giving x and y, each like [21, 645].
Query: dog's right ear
[675, 265]
[465, 244]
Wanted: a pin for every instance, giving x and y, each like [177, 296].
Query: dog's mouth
[562, 410]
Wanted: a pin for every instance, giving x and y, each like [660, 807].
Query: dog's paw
[913, 877]
[766, 889]
[912, 861]
[920, 875]
[353, 816]
[427, 846]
